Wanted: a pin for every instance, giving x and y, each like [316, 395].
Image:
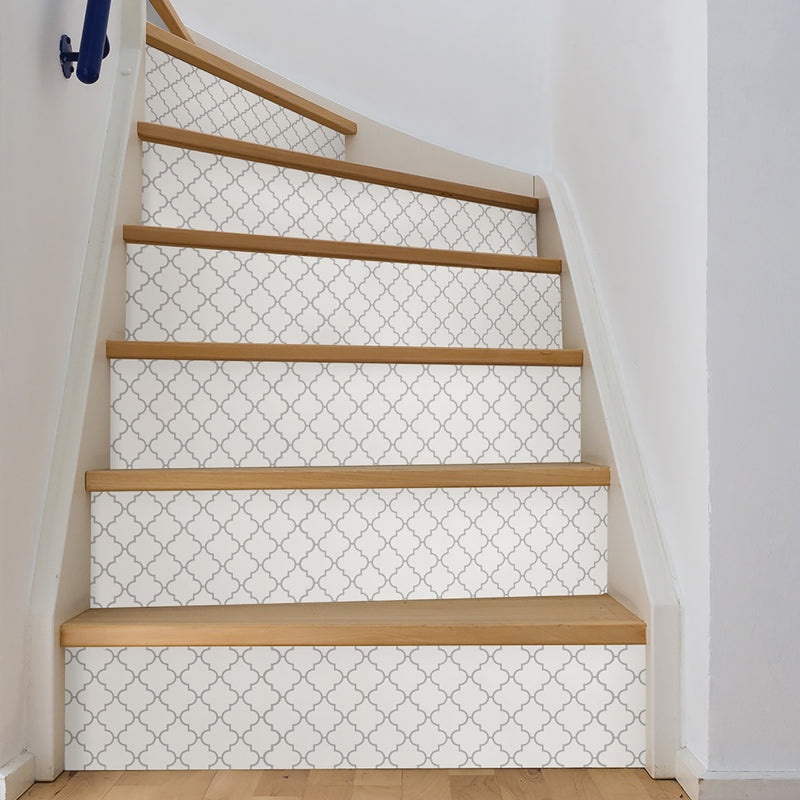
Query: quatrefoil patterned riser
[188, 189]
[356, 707]
[187, 295]
[249, 414]
[182, 96]
[217, 547]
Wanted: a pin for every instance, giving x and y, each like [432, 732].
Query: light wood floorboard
[365, 784]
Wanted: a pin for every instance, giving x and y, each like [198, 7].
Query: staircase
[346, 522]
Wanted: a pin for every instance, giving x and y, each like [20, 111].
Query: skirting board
[703, 784]
[16, 776]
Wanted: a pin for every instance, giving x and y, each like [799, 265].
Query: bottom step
[357, 707]
[525, 682]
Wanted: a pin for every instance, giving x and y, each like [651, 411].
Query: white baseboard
[704, 784]
[16, 776]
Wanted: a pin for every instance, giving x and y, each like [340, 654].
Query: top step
[202, 59]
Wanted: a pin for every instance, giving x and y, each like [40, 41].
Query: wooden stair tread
[264, 154]
[321, 248]
[368, 477]
[198, 57]
[346, 354]
[575, 620]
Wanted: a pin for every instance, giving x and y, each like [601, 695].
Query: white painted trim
[48, 607]
[16, 776]
[688, 771]
[663, 647]
[704, 784]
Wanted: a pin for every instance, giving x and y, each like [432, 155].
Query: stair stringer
[640, 574]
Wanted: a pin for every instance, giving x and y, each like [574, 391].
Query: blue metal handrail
[94, 43]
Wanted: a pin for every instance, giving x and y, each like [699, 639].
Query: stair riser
[356, 707]
[183, 96]
[188, 189]
[182, 294]
[245, 414]
[217, 548]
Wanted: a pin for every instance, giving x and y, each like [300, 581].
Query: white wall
[753, 337]
[51, 134]
[469, 75]
[629, 139]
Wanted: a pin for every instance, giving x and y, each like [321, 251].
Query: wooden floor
[345, 784]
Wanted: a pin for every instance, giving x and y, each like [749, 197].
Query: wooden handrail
[321, 248]
[202, 59]
[170, 18]
[264, 154]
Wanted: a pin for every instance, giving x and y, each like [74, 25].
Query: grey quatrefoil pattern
[338, 707]
[356, 707]
[183, 96]
[223, 547]
[187, 295]
[257, 414]
[188, 189]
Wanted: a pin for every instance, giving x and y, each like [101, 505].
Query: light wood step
[343, 354]
[186, 51]
[233, 148]
[401, 477]
[320, 248]
[576, 620]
